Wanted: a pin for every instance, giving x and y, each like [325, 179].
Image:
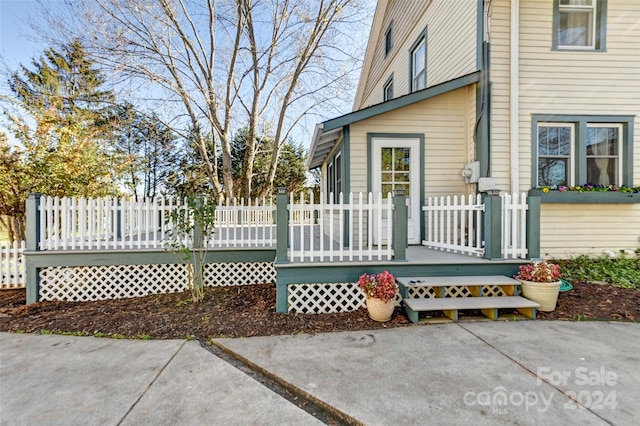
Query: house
[456, 97]
[461, 96]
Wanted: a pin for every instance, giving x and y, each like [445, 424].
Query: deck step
[488, 305]
[450, 281]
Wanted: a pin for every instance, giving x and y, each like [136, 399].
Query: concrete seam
[524, 367]
[144, 392]
[338, 414]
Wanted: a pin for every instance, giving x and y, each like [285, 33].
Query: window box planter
[587, 197]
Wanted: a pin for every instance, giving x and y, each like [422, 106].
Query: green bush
[622, 271]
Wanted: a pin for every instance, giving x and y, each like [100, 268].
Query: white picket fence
[454, 224]
[12, 270]
[514, 225]
[121, 223]
[340, 231]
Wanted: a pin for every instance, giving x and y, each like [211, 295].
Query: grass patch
[621, 271]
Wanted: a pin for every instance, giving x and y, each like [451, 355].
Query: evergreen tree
[64, 124]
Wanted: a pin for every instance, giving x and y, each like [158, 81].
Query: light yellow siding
[561, 82]
[570, 229]
[451, 43]
[444, 122]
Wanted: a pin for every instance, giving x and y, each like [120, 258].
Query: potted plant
[381, 292]
[541, 283]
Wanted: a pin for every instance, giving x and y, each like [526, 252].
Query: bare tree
[226, 64]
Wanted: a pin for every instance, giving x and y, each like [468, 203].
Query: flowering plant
[382, 286]
[590, 188]
[540, 272]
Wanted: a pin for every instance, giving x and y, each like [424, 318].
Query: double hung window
[388, 89]
[579, 24]
[581, 152]
[418, 63]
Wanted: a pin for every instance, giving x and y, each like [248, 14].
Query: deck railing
[514, 225]
[122, 223]
[340, 231]
[454, 224]
[12, 270]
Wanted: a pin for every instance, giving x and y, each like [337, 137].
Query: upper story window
[579, 24]
[583, 149]
[418, 63]
[388, 39]
[388, 89]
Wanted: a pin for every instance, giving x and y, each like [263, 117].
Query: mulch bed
[250, 311]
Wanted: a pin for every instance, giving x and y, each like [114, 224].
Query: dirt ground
[250, 311]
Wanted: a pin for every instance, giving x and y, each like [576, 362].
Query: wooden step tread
[451, 303]
[457, 281]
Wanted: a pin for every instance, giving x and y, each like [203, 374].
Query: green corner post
[400, 228]
[282, 236]
[33, 244]
[533, 226]
[493, 225]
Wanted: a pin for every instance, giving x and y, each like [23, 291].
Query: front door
[396, 165]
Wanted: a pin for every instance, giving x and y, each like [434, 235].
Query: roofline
[400, 102]
[314, 144]
[376, 27]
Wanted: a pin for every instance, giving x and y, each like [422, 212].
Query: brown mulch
[250, 311]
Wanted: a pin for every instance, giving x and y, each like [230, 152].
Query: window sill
[576, 197]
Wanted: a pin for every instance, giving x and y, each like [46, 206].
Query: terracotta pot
[546, 294]
[379, 310]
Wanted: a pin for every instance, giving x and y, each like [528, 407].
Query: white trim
[413, 144]
[514, 97]
[571, 173]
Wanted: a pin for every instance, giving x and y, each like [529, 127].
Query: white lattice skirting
[327, 298]
[86, 283]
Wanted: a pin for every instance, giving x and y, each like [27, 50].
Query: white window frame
[385, 90]
[593, 8]
[571, 175]
[421, 76]
[620, 147]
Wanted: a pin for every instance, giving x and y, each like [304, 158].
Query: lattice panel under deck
[493, 291]
[458, 291]
[421, 292]
[327, 298]
[324, 298]
[85, 283]
[239, 273]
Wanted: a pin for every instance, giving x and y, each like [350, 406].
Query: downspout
[514, 98]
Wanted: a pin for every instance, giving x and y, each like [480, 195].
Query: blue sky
[16, 47]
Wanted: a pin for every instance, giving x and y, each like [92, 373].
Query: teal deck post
[492, 226]
[533, 226]
[400, 228]
[33, 244]
[282, 241]
[282, 226]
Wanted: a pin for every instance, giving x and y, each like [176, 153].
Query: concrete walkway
[484, 373]
[65, 380]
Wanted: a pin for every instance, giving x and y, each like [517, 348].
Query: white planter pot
[379, 310]
[546, 294]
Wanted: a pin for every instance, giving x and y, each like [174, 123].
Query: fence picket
[453, 224]
[12, 268]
